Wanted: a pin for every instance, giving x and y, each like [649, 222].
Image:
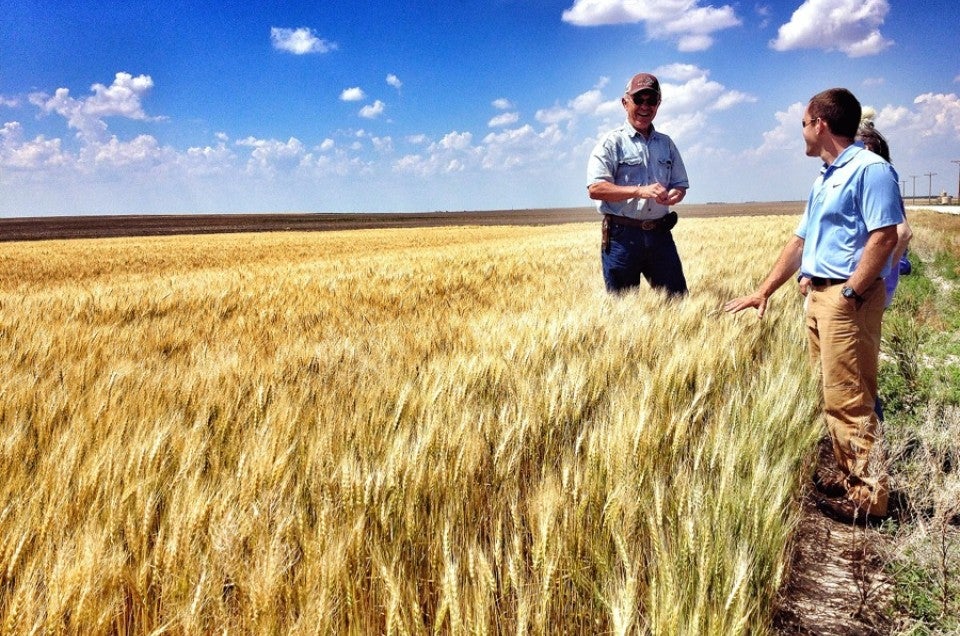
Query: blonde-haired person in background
[873, 141]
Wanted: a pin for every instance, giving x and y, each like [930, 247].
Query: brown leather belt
[826, 282]
[823, 282]
[643, 224]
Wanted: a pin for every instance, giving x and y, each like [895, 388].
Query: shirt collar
[845, 157]
[633, 132]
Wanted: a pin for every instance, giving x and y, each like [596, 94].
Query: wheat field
[413, 431]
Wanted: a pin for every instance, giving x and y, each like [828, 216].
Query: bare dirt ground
[99, 226]
[836, 585]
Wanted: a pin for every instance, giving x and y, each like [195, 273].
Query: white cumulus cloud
[300, 41]
[688, 89]
[354, 94]
[121, 99]
[686, 21]
[456, 140]
[208, 160]
[38, 153]
[270, 155]
[935, 116]
[374, 110]
[143, 150]
[785, 136]
[394, 81]
[848, 26]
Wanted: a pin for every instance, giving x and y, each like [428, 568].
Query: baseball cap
[643, 82]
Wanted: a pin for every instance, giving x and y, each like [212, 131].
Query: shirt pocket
[632, 170]
[664, 172]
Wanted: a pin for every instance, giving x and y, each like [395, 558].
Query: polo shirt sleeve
[882, 205]
[678, 172]
[801, 230]
[602, 162]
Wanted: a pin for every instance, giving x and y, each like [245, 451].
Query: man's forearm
[880, 245]
[606, 191]
[786, 266]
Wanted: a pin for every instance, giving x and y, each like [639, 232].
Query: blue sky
[383, 106]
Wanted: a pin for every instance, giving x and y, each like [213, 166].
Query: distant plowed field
[52, 227]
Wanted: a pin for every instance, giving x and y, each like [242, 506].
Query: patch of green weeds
[915, 289]
[945, 383]
[947, 265]
[914, 594]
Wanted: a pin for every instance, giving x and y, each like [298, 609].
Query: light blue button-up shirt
[625, 157]
[857, 194]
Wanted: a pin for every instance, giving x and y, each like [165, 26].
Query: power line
[931, 175]
[957, 161]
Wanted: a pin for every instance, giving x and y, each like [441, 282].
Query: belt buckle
[648, 225]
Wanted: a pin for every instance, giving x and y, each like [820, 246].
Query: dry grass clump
[921, 378]
[402, 431]
[940, 232]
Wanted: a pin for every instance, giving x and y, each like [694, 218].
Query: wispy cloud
[302, 41]
[763, 12]
[849, 26]
[393, 80]
[504, 119]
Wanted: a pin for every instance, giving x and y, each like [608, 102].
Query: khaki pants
[844, 342]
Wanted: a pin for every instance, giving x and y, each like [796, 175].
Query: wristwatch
[848, 292]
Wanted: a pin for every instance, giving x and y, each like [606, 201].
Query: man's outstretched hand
[754, 300]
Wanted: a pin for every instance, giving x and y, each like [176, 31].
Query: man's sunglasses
[640, 100]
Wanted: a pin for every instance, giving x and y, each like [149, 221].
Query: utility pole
[931, 175]
[957, 161]
[903, 188]
[914, 177]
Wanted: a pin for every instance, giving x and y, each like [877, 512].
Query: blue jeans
[635, 254]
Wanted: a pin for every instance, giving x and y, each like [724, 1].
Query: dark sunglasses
[640, 100]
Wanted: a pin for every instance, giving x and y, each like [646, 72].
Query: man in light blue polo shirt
[843, 244]
[635, 174]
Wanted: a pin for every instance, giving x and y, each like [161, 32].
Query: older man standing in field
[636, 173]
[843, 243]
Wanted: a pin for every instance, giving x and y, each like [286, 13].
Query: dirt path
[837, 585]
